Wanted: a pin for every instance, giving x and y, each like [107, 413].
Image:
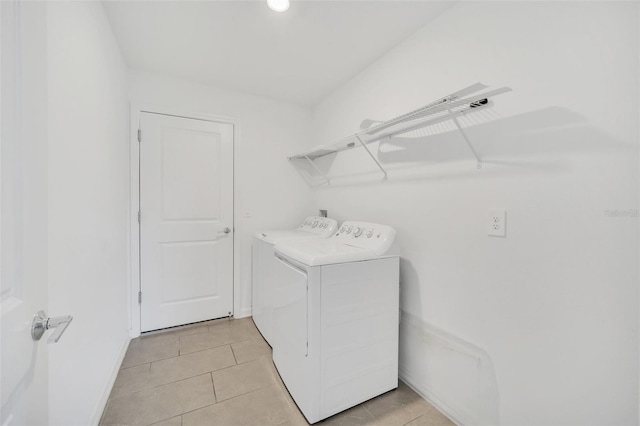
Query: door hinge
[139, 216]
[139, 297]
[139, 135]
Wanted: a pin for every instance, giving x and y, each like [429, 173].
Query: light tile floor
[220, 373]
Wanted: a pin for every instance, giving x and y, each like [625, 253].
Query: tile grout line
[234, 355]
[246, 393]
[196, 409]
[182, 414]
[251, 391]
[148, 362]
[177, 380]
[161, 385]
[414, 419]
[214, 347]
[237, 365]
[213, 386]
[180, 380]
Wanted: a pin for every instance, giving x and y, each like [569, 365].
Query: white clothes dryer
[263, 261]
[336, 317]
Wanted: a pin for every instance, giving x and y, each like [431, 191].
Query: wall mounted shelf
[451, 107]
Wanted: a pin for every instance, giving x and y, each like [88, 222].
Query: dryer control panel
[323, 226]
[372, 236]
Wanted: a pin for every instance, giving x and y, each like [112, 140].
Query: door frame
[134, 203]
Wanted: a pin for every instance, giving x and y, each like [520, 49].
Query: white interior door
[23, 209]
[186, 227]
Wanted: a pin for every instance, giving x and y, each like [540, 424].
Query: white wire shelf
[465, 101]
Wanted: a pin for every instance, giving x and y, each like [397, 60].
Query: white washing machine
[262, 266]
[336, 317]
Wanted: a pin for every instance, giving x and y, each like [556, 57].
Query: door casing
[134, 227]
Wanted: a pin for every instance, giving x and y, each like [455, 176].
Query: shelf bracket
[364, 145]
[466, 139]
[318, 169]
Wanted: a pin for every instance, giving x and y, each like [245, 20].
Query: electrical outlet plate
[497, 223]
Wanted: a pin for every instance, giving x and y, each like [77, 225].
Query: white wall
[269, 193]
[88, 208]
[549, 314]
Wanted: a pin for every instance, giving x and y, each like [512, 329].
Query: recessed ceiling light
[278, 5]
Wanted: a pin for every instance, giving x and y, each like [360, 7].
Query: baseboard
[102, 402]
[429, 397]
[454, 375]
[246, 312]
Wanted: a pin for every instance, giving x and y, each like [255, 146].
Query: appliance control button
[348, 230]
[342, 228]
[357, 231]
[314, 224]
[369, 233]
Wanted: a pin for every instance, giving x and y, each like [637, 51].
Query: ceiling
[300, 56]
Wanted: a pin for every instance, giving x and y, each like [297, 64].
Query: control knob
[357, 231]
[314, 224]
[369, 233]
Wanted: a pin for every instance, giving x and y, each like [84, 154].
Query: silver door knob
[41, 323]
[227, 230]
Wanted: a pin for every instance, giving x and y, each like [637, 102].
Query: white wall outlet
[497, 223]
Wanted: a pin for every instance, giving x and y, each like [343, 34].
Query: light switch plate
[497, 223]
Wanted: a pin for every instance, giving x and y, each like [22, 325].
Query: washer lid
[272, 237]
[313, 226]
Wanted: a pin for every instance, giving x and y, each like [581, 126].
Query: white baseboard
[431, 399]
[454, 375]
[102, 402]
[245, 312]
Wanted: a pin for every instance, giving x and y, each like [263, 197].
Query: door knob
[227, 230]
[41, 323]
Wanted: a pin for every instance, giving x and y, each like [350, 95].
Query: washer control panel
[319, 225]
[373, 236]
